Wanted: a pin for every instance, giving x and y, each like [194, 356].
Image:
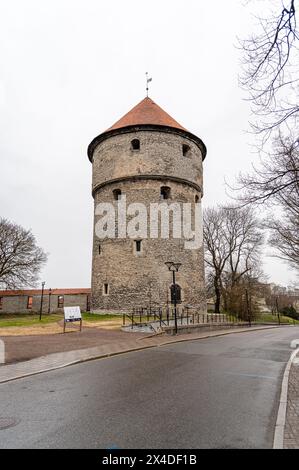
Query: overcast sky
[70, 68]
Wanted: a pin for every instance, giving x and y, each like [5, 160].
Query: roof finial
[147, 82]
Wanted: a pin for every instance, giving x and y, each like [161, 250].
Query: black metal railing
[165, 316]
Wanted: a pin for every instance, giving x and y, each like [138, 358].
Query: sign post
[72, 314]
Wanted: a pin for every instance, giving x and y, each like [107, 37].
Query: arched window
[165, 192]
[116, 194]
[135, 144]
[186, 150]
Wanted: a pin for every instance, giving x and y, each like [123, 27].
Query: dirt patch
[57, 328]
[22, 348]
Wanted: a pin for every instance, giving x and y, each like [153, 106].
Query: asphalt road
[214, 393]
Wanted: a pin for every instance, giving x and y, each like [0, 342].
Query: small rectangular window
[1, 303]
[186, 150]
[106, 289]
[117, 194]
[29, 302]
[165, 192]
[135, 144]
[138, 245]
[60, 301]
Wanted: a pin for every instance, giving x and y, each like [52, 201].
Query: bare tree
[276, 180]
[217, 250]
[276, 183]
[270, 69]
[233, 242]
[284, 237]
[20, 259]
[271, 76]
[245, 240]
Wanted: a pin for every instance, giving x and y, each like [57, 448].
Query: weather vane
[147, 82]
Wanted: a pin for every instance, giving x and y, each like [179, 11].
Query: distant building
[29, 300]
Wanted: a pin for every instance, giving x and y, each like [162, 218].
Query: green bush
[290, 312]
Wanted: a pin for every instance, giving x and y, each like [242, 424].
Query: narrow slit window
[100, 249]
[117, 194]
[106, 289]
[138, 246]
[165, 192]
[135, 144]
[186, 150]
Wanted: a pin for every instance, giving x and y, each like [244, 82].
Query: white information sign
[72, 314]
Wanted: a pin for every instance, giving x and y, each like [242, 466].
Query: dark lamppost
[174, 267]
[248, 307]
[277, 310]
[41, 300]
[49, 307]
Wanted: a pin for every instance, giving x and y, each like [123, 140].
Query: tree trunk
[217, 295]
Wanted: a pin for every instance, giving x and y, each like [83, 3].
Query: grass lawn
[99, 317]
[19, 320]
[10, 319]
[268, 318]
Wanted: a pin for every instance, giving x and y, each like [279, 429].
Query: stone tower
[149, 158]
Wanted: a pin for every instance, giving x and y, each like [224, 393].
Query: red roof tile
[146, 112]
[5, 293]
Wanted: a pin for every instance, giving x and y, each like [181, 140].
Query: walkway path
[121, 343]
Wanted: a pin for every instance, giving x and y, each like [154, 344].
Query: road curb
[283, 401]
[247, 330]
[92, 357]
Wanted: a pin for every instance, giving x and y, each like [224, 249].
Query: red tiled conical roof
[146, 112]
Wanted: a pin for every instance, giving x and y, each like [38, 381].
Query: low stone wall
[19, 303]
[201, 328]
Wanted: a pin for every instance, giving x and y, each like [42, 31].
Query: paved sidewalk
[26, 347]
[132, 343]
[291, 431]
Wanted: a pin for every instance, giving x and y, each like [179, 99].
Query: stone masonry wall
[18, 303]
[140, 279]
[160, 154]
